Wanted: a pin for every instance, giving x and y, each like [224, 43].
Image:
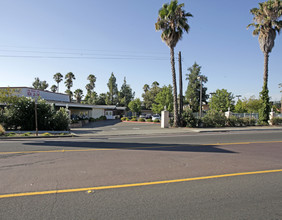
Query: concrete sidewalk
[118, 128]
[129, 128]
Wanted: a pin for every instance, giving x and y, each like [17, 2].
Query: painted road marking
[132, 148]
[135, 184]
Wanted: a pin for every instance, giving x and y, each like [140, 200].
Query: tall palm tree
[266, 25]
[91, 85]
[146, 88]
[54, 88]
[58, 77]
[69, 77]
[78, 95]
[172, 21]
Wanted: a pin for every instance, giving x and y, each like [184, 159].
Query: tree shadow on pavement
[60, 145]
[103, 123]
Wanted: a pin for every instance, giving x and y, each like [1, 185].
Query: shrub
[214, 119]
[233, 121]
[46, 134]
[189, 119]
[26, 134]
[134, 119]
[276, 121]
[2, 130]
[62, 134]
[127, 119]
[124, 118]
[60, 121]
[102, 118]
[156, 120]
[92, 119]
[11, 134]
[149, 120]
[141, 119]
[249, 121]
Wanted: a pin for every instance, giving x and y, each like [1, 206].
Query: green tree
[69, 77]
[70, 93]
[172, 21]
[164, 99]
[101, 100]
[8, 95]
[222, 100]
[266, 24]
[112, 95]
[192, 94]
[125, 95]
[54, 88]
[251, 105]
[21, 114]
[146, 88]
[91, 96]
[265, 108]
[240, 107]
[38, 84]
[91, 85]
[58, 77]
[78, 95]
[135, 106]
[150, 94]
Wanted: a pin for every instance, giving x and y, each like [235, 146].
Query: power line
[85, 57]
[76, 49]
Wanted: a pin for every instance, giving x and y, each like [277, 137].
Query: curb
[37, 137]
[142, 122]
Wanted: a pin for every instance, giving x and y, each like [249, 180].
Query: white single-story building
[63, 100]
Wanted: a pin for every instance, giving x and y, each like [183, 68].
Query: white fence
[240, 115]
[246, 115]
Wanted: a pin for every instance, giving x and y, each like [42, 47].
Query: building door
[109, 114]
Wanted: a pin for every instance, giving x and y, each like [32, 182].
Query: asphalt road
[41, 166]
[243, 197]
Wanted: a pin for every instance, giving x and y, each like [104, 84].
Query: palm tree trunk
[175, 122]
[58, 87]
[180, 90]
[265, 74]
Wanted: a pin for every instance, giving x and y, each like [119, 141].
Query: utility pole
[180, 86]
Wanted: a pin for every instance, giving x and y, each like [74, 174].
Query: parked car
[142, 116]
[156, 116]
[148, 116]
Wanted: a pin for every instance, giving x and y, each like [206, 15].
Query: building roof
[81, 105]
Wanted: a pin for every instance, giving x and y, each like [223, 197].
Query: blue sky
[40, 38]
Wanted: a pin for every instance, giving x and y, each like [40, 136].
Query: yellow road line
[135, 184]
[254, 142]
[132, 148]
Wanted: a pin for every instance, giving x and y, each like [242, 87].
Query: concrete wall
[97, 112]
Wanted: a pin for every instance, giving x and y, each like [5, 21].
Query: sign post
[35, 111]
